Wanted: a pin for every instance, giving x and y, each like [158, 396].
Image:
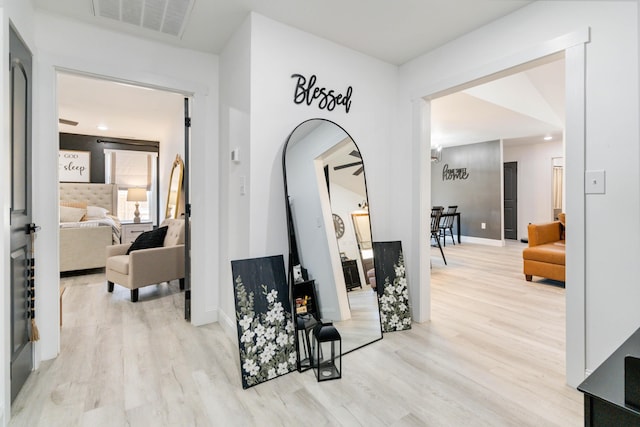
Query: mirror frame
[294, 256]
[178, 165]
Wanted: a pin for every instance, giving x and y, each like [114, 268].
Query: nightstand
[131, 230]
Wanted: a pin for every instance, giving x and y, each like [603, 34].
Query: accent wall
[470, 177]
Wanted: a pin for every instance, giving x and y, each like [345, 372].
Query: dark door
[511, 200]
[187, 213]
[21, 227]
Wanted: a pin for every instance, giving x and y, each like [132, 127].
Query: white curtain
[129, 168]
[558, 177]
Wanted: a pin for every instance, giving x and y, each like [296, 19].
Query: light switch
[594, 182]
[235, 155]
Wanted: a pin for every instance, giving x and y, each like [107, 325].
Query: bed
[87, 224]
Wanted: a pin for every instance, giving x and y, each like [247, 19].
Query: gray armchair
[144, 267]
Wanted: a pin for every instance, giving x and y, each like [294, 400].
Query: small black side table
[604, 390]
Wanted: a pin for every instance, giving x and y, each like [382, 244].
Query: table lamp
[136, 195]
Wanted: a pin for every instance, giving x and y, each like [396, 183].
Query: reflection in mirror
[329, 230]
[558, 184]
[175, 205]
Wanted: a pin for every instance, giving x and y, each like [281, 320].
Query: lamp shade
[137, 195]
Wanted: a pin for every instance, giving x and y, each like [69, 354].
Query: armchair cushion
[175, 233]
[119, 263]
[149, 239]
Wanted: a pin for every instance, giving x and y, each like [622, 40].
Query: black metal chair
[447, 224]
[436, 213]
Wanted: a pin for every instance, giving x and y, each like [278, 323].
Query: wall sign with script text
[453, 174]
[307, 92]
[74, 166]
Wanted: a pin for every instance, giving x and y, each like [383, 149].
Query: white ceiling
[521, 108]
[394, 31]
[128, 111]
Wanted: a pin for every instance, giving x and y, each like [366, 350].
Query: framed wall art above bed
[74, 166]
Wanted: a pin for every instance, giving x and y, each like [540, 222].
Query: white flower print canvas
[264, 320]
[393, 293]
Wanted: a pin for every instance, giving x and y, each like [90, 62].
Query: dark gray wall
[477, 196]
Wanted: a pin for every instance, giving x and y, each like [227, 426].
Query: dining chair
[447, 224]
[436, 213]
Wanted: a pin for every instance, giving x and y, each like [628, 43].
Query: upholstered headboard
[103, 195]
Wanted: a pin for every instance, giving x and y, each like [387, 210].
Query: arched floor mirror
[325, 186]
[175, 197]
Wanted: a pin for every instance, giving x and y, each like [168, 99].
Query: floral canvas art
[393, 293]
[263, 313]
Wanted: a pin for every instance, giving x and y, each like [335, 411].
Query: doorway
[510, 174]
[508, 168]
[129, 122]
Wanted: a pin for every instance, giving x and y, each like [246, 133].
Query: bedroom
[133, 144]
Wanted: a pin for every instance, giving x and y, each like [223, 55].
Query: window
[133, 169]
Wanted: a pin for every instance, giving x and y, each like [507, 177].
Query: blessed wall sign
[328, 99]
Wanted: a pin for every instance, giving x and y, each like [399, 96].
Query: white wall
[277, 52]
[65, 44]
[343, 202]
[535, 181]
[171, 143]
[611, 143]
[235, 106]
[20, 14]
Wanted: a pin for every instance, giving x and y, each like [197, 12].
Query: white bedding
[109, 221]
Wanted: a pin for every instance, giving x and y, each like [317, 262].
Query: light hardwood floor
[493, 355]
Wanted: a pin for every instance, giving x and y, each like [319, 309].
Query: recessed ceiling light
[548, 138]
[103, 127]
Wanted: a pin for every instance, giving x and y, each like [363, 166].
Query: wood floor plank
[492, 355]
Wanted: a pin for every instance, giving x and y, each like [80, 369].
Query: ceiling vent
[164, 16]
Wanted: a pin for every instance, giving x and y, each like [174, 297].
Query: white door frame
[572, 46]
[45, 179]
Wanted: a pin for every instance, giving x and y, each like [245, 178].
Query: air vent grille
[164, 16]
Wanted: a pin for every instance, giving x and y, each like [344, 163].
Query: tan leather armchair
[545, 256]
[151, 266]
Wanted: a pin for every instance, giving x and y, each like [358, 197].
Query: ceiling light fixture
[436, 154]
[548, 138]
[103, 127]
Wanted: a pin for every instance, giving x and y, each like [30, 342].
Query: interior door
[511, 200]
[187, 213]
[21, 227]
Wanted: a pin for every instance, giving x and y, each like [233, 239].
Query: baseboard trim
[482, 241]
[228, 326]
[210, 316]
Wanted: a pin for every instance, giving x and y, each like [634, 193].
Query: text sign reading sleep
[307, 92]
[74, 166]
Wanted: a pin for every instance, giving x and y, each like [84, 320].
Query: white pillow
[68, 214]
[95, 212]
